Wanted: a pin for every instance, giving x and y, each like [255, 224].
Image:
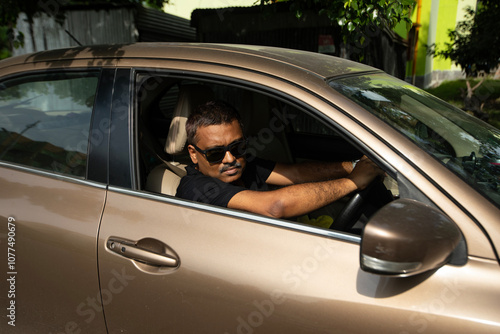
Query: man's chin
[228, 178]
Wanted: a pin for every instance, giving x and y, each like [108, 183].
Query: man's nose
[228, 158]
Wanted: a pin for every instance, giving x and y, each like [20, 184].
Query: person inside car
[223, 174]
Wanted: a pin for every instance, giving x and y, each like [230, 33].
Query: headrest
[190, 96]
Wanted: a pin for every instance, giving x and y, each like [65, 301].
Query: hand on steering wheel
[366, 175]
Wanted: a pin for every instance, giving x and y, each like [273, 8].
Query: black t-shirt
[198, 187]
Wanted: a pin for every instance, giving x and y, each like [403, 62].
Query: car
[94, 240]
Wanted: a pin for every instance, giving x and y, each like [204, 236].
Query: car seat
[166, 177]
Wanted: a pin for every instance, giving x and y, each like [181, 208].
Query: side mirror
[406, 238]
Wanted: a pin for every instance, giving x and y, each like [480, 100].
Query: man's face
[230, 168]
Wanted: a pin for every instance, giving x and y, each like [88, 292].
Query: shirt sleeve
[205, 189]
[257, 172]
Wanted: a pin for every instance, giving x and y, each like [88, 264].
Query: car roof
[272, 60]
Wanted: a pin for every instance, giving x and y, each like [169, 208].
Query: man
[222, 175]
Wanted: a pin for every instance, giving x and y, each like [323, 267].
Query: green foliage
[4, 43]
[489, 93]
[355, 16]
[475, 42]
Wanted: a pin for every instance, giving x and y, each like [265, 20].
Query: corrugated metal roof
[156, 26]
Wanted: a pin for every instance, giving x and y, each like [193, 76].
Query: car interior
[276, 128]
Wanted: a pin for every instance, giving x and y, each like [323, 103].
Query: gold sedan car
[94, 240]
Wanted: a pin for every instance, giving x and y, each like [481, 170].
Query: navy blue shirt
[198, 187]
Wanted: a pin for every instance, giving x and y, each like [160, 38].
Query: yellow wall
[437, 18]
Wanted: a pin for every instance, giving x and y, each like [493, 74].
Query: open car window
[276, 128]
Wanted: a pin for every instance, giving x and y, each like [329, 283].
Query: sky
[184, 8]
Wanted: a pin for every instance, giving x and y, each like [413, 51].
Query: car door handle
[132, 251]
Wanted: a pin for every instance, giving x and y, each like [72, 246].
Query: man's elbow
[276, 209]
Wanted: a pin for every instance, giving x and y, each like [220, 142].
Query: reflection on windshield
[464, 144]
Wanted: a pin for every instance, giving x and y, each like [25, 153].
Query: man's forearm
[322, 171]
[309, 172]
[303, 198]
[294, 200]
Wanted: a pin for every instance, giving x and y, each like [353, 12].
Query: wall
[438, 17]
[87, 26]
[104, 25]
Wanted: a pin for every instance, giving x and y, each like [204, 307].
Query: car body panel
[55, 272]
[237, 275]
[260, 58]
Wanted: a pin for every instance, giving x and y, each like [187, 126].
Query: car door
[52, 196]
[167, 264]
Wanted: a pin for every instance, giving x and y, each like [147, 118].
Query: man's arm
[299, 199]
[287, 174]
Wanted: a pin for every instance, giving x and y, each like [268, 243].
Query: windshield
[465, 145]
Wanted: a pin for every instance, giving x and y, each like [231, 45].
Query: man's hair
[210, 113]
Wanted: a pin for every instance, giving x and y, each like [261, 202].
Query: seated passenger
[222, 174]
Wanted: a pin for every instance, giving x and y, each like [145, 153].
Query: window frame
[240, 84]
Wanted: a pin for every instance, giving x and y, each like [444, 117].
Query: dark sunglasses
[215, 155]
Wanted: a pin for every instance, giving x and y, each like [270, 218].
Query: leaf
[350, 26]
[354, 5]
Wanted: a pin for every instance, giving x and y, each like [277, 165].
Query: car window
[277, 129]
[46, 120]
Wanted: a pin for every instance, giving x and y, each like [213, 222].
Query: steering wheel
[352, 211]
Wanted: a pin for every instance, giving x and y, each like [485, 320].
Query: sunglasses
[215, 155]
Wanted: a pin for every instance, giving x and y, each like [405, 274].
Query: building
[100, 24]
[434, 19]
[278, 26]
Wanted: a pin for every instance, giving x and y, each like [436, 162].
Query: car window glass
[465, 145]
[46, 120]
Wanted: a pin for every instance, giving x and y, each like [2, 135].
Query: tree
[475, 42]
[357, 18]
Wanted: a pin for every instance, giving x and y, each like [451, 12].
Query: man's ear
[192, 154]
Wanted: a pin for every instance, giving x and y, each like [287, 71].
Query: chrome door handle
[132, 251]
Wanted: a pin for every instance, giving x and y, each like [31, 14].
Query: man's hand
[365, 172]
